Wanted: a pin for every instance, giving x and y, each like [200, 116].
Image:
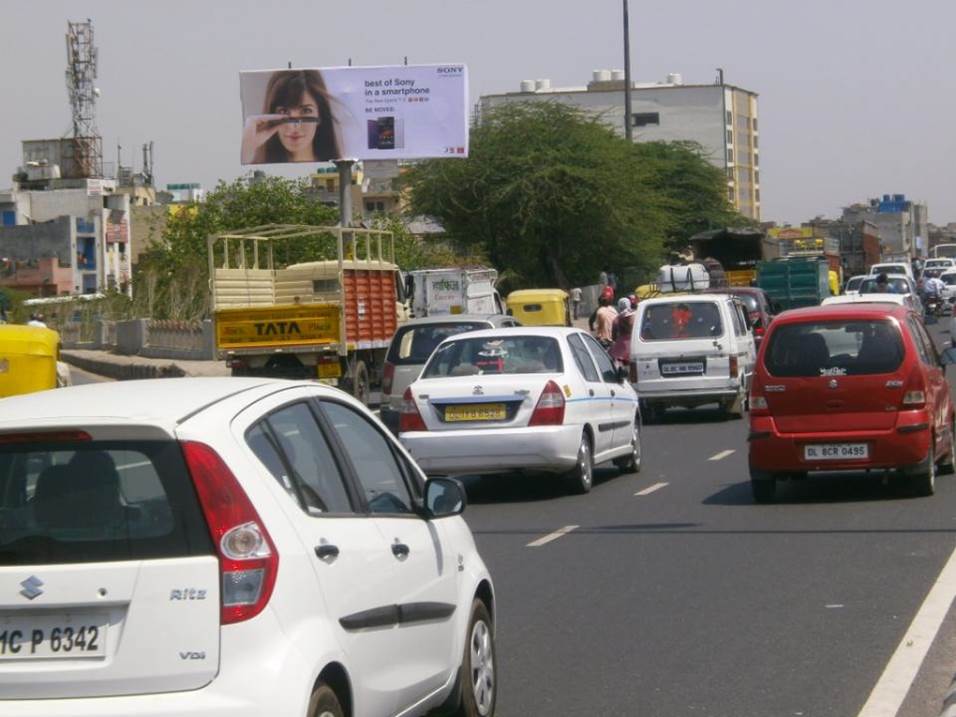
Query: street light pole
[627, 77]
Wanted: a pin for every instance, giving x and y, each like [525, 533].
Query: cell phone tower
[81, 57]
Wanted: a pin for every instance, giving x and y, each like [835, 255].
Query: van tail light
[550, 408]
[734, 367]
[248, 560]
[388, 377]
[632, 371]
[410, 418]
[759, 331]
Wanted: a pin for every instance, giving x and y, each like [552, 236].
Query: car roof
[862, 310]
[451, 318]
[877, 298]
[683, 298]
[552, 331]
[163, 402]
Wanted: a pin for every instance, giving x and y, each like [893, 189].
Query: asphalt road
[81, 377]
[689, 599]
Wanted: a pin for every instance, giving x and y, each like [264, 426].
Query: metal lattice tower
[81, 57]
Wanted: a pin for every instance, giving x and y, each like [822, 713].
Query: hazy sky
[856, 98]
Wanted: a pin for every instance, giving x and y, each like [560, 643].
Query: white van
[690, 350]
[893, 267]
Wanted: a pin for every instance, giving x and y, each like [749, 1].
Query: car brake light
[388, 377]
[45, 437]
[248, 560]
[410, 418]
[550, 408]
[759, 331]
[914, 399]
[758, 403]
[914, 395]
[734, 367]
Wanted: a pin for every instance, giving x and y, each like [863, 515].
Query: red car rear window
[834, 348]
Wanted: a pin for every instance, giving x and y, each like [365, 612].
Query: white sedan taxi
[537, 399]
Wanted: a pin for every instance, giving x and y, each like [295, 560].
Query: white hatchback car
[231, 547]
[539, 399]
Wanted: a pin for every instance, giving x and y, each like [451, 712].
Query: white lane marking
[723, 454]
[552, 536]
[651, 489]
[835, 606]
[134, 465]
[895, 682]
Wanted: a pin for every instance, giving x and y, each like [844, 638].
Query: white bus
[944, 251]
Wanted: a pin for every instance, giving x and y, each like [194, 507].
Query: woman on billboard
[297, 124]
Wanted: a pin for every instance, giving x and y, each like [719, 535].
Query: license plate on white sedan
[836, 452]
[61, 636]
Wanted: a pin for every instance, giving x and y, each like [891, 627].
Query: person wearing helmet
[621, 332]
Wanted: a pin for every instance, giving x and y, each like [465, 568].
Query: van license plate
[476, 412]
[682, 368]
[65, 637]
[836, 452]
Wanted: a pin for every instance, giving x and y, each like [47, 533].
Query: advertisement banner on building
[790, 232]
[322, 114]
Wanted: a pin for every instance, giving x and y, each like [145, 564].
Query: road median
[122, 368]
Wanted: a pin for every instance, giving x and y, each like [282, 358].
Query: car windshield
[948, 279]
[854, 283]
[750, 302]
[63, 503]
[835, 348]
[681, 320]
[893, 286]
[888, 269]
[414, 344]
[495, 355]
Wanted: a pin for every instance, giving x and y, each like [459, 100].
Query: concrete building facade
[902, 224]
[721, 118]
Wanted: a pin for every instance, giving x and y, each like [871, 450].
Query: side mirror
[948, 356]
[444, 497]
[623, 374]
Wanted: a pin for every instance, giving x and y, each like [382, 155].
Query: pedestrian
[576, 301]
[621, 332]
[604, 322]
[612, 280]
[37, 320]
[602, 279]
[633, 299]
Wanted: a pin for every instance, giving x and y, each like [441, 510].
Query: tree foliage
[554, 196]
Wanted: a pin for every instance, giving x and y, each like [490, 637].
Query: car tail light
[388, 377]
[45, 437]
[759, 331]
[236, 363]
[734, 367]
[758, 403]
[410, 418]
[550, 408]
[914, 395]
[248, 560]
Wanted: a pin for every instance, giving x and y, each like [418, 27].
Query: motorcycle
[934, 305]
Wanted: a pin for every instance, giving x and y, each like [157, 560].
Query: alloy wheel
[482, 667]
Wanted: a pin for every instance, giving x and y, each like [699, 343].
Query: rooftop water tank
[527, 85]
[542, 85]
[601, 75]
[617, 75]
[674, 78]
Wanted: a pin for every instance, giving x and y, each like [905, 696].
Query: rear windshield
[948, 279]
[750, 302]
[894, 286]
[888, 269]
[834, 348]
[493, 355]
[97, 501]
[853, 283]
[414, 344]
[681, 320]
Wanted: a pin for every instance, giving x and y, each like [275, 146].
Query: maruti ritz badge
[31, 587]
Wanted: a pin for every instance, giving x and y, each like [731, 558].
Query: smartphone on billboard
[385, 133]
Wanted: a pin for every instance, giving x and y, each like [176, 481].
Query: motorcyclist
[933, 288]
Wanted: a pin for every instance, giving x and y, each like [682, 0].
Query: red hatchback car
[851, 387]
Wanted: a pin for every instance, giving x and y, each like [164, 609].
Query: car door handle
[327, 551]
[400, 550]
[591, 392]
[613, 394]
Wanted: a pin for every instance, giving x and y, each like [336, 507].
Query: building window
[730, 156]
[756, 159]
[756, 142]
[730, 117]
[330, 185]
[757, 194]
[643, 119]
[370, 206]
[380, 206]
[755, 124]
[730, 194]
[730, 136]
[756, 177]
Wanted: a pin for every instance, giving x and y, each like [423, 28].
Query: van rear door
[834, 375]
[109, 584]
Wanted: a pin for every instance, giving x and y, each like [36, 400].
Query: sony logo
[451, 70]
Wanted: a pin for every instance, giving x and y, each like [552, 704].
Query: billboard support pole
[627, 75]
[345, 191]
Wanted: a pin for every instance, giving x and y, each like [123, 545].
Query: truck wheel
[360, 384]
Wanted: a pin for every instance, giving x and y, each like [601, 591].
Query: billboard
[322, 114]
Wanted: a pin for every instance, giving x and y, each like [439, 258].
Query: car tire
[479, 677]
[763, 485]
[324, 703]
[652, 412]
[631, 463]
[581, 477]
[923, 483]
